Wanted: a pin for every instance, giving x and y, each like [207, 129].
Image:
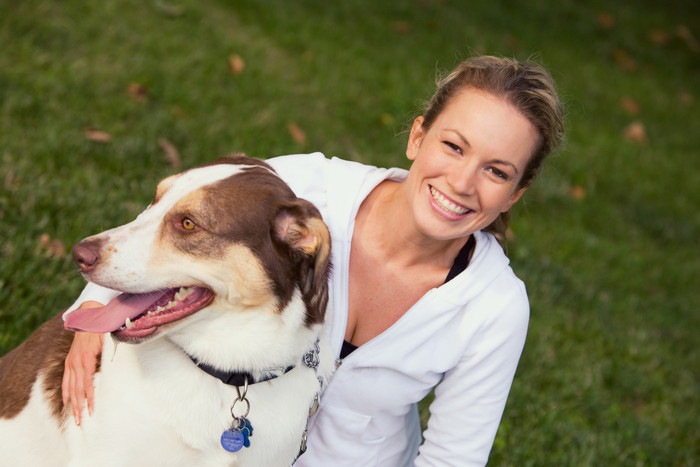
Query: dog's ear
[299, 225]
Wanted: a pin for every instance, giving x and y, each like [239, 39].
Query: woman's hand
[79, 369]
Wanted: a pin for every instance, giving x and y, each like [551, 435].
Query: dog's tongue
[111, 316]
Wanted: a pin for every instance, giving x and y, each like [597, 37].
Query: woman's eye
[188, 224]
[499, 173]
[453, 146]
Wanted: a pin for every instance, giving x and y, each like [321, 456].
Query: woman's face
[467, 166]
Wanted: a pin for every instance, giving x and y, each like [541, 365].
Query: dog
[213, 352]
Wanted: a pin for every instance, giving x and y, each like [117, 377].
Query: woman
[422, 294]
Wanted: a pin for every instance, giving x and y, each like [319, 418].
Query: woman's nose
[462, 179]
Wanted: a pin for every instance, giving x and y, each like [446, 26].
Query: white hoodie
[463, 338]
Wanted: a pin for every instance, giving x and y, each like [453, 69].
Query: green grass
[607, 240]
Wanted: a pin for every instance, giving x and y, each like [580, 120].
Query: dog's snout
[87, 254]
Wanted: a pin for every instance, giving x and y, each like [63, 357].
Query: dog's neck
[238, 378]
[310, 359]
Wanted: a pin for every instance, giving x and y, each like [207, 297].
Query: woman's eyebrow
[460, 136]
[494, 161]
[502, 162]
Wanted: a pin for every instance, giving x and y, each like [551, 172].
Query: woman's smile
[448, 206]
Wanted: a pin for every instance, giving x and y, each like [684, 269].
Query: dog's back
[30, 390]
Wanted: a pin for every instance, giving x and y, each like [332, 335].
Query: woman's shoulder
[298, 163]
[489, 283]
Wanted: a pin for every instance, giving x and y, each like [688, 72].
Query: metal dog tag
[238, 436]
[232, 440]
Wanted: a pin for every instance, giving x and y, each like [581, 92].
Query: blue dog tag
[246, 430]
[232, 440]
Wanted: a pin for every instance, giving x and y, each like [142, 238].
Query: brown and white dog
[222, 278]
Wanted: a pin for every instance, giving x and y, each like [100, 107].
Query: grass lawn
[100, 100]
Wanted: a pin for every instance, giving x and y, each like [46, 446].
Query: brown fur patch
[243, 210]
[44, 351]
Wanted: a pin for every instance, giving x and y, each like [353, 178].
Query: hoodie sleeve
[306, 175]
[92, 292]
[470, 400]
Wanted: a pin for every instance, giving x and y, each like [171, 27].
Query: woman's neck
[385, 226]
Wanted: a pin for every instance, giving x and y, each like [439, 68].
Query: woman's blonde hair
[527, 86]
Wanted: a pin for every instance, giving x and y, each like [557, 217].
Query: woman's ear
[415, 138]
[514, 198]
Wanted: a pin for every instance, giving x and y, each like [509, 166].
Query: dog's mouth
[135, 317]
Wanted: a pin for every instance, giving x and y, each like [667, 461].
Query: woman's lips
[447, 205]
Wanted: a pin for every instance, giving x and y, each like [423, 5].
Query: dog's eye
[188, 224]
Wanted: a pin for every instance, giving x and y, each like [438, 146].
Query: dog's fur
[233, 228]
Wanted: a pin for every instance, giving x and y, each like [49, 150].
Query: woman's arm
[81, 362]
[470, 400]
[79, 369]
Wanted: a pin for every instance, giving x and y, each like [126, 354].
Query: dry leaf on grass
[51, 248]
[624, 60]
[636, 132]
[297, 133]
[658, 37]
[172, 155]
[577, 192]
[402, 27]
[98, 136]
[605, 20]
[630, 105]
[236, 64]
[386, 118]
[686, 99]
[688, 37]
[138, 92]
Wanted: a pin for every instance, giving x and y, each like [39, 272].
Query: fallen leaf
[605, 20]
[97, 136]
[636, 132]
[138, 92]
[577, 192]
[687, 36]
[402, 27]
[171, 153]
[51, 248]
[686, 98]
[658, 37]
[624, 60]
[236, 64]
[297, 133]
[630, 105]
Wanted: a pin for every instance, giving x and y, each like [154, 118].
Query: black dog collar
[240, 378]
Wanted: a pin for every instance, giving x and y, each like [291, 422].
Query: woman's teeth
[446, 204]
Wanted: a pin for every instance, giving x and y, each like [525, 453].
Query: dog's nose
[87, 254]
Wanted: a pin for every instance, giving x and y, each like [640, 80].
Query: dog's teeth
[183, 293]
[128, 324]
